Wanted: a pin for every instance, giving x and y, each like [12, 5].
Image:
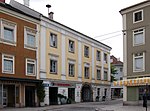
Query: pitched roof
[115, 61]
[36, 14]
[5, 5]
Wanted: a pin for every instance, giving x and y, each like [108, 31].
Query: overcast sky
[95, 18]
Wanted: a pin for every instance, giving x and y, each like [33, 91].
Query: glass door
[4, 96]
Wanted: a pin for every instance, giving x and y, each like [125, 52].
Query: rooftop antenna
[48, 6]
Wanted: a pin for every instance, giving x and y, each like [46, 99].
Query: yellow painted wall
[87, 60]
[72, 56]
[98, 64]
[53, 51]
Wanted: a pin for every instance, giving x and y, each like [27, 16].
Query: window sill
[53, 46]
[55, 73]
[30, 47]
[6, 72]
[135, 45]
[86, 56]
[4, 41]
[30, 75]
[71, 51]
[71, 76]
[135, 71]
[134, 22]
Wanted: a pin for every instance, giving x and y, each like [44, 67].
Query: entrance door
[9, 95]
[71, 93]
[29, 96]
[86, 93]
[53, 91]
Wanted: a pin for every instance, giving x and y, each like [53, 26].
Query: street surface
[113, 105]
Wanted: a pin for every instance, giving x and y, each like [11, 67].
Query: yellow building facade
[72, 64]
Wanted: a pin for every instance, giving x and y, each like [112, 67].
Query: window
[86, 72]
[71, 46]
[30, 38]
[8, 64]
[138, 37]
[121, 78]
[105, 57]
[30, 67]
[71, 69]
[138, 16]
[121, 69]
[98, 56]
[53, 40]
[98, 91]
[138, 62]
[105, 75]
[53, 66]
[98, 74]
[86, 51]
[8, 32]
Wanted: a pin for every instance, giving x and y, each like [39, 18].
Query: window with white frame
[8, 64]
[86, 51]
[138, 37]
[30, 67]
[8, 32]
[86, 70]
[30, 37]
[98, 74]
[137, 16]
[98, 55]
[53, 66]
[53, 40]
[138, 62]
[71, 69]
[71, 46]
[105, 75]
[105, 57]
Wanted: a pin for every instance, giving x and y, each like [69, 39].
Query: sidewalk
[114, 105]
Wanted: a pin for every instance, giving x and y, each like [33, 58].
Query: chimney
[2, 1]
[26, 2]
[50, 15]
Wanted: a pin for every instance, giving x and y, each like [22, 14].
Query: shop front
[134, 90]
[55, 88]
[16, 92]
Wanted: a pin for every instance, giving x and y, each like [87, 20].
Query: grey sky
[90, 17]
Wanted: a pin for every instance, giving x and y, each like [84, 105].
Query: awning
[20, 80]
[132, 82]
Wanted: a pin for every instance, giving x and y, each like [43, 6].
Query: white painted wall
[43, 53]
[63, 55]
[78, 92]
